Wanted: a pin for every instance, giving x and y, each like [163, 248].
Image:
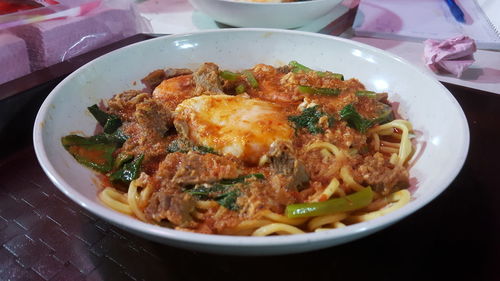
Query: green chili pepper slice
[347, 203]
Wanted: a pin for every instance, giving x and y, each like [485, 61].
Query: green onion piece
[251, 79]
[228, 75]
[337, 76]
[297, 67]
[318, 91]
[347, 203]
[371, 94]
[240, 89]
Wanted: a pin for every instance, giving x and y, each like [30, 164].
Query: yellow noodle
[390, 144]
[398, 199]
[282, 219]
[115, 200]
[318, 222]
[389, 149]
[376, 142]
[132, 198]
[332, 187]
[279, 228]
[405, 148]
[338, 225]
[144, 196]
[328, 146]
[206, 204]
[246, 227]
[345, 174]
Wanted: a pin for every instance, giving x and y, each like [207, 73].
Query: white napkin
[453, 55]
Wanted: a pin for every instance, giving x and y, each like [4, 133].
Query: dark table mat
[45, 236]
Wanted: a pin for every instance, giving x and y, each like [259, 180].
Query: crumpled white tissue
[453, 55]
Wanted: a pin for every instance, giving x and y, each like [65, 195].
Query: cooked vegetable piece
[354, 119]
[240, 89]
[230, 76]
[241, 179]
[318, 91]
[204, 149]
[309, 119]
[129, 172]
[228, 200]
[385, 114]
[184, 147]
[347, 203]
[223, 192]
[371, 94]
[297, 67]
[251, 79]
[121, 159]
[109, 122]
[89, 152]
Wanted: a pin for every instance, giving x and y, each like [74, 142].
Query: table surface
[45, 236]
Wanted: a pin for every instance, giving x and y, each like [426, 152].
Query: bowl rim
[161, 233]
[298, 3]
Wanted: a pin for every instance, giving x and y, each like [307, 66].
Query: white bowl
[271, 15]
[443, 135]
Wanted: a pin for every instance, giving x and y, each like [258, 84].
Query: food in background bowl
[439, 151]
[259, 152]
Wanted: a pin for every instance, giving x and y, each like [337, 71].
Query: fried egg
[233, 125]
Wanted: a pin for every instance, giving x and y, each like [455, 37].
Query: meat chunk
[123, 105]
[207, 81]
[174, 72]
[381, 175]
[146, 130]
[176, 208]
[193, 168]
[285, 166]
[152, 116]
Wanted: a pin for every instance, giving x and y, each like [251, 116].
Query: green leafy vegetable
[297, 67]
[309, 119]
[129, 172]
[251, 79]
[354, 119]
[242, 179]
[228, 200]
[225, 192]
[318, 91]
[121, 159]
[347, 203]
[109, 122]
[90, 152]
